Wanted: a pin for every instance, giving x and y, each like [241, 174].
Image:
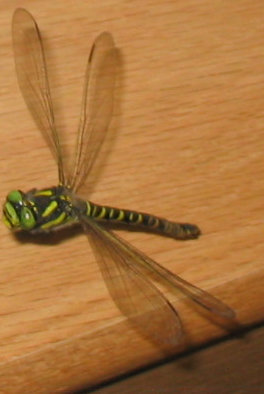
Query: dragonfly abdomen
[142, 220]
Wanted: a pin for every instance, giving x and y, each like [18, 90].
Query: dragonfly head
[18, 211]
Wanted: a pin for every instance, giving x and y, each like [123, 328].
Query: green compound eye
[10, 216]
[15, 196]
[27, 219]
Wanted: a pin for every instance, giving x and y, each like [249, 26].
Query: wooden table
[186, 143]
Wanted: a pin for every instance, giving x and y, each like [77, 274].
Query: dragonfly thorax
[38, 210]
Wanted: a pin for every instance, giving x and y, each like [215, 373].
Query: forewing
[33, 79]
[97, 106]
[136, 297]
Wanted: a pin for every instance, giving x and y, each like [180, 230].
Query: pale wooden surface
[186, 143]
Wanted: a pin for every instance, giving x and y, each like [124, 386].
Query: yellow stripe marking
[50, 209]
[121, 215]
[55, 222]
[139, 219]
[102, 213]
[94, 211]
[44, 193]
[131, 216]
[111, 213]
[88, 208]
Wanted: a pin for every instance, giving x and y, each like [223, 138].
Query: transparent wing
[97, 106]
[199, 296]
[33, 79]
[135, 296]
[145, 264]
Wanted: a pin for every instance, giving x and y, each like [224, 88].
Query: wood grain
[186, 143]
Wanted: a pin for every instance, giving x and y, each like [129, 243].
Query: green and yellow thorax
[38, 210]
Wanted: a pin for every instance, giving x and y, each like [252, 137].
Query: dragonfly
[38, 211]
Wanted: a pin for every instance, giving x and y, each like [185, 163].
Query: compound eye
[28, 220]
[15, 196]
[10, 216]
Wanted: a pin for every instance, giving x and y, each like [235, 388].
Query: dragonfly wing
[136, 297]
[97, 106]
[146, 265]
[199, 296]
[33, 79]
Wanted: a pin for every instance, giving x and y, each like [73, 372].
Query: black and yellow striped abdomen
[142, 220]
